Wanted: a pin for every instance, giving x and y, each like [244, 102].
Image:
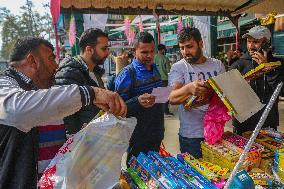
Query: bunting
[72, 31]
[179, 25]
[141, 28]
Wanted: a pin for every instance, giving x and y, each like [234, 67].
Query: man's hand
[146, 100]
[109, 102]
[259, 57]
[198, 87]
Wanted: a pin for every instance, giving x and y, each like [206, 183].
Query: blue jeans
[191, 145]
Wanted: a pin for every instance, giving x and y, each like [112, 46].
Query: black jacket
[264, 87]
[18, 152]
[73, 70]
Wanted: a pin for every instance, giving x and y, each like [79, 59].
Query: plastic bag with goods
[92, 157]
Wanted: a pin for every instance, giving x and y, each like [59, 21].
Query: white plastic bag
[92, 157]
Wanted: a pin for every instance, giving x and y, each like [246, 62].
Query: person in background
[28, 101]
[163, 65]
[130, 56]
[134, 84]
[258, 42]
[187, 77]
[121, 61]
[84, 69]
[233, 56]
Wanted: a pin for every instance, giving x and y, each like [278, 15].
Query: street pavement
[172, 125]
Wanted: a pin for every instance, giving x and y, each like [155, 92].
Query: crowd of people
[37, 93]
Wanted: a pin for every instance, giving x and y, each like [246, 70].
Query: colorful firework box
[272, 144]
[168, 172]
[259, 177]
[194, 101]
[234, 91]
[227, 152]
[238, 143]
[261, 69]
[221, 155]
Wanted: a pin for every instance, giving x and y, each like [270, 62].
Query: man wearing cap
[258, 52]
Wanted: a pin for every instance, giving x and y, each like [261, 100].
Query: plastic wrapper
[214, 120]
[92, 157]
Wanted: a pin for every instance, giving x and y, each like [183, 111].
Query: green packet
[136, 179]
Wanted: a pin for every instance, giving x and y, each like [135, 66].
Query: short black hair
[89, 37]
[161, 47]
[188, 34]
[143, 37]
[25, 45]
[130, 54]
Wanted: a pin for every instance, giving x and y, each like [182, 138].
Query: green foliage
[223, 57]
[27, 23]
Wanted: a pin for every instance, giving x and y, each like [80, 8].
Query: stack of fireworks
[271, 141]
[221, 155]
[154, 171]
[273, 134]
[238, 143]
[226, 153]
[269, 138]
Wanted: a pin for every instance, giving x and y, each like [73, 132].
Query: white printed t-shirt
[191, 122]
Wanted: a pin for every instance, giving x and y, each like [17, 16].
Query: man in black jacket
[84, 70]
[258, 39]
[26, 102]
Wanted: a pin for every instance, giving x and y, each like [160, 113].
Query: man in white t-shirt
[187, 77]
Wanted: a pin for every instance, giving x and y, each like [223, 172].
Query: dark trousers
[142, 146]
[191, 145]
[166, 105]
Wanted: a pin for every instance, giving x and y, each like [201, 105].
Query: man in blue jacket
[135, 84]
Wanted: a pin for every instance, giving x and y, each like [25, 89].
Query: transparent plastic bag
[92, 157]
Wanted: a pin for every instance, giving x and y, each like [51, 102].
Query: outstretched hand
[109, 102]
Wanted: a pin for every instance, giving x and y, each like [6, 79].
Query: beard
[193, 59]
[44, 80]
[97, 60]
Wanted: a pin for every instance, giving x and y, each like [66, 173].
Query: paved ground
[172, 125]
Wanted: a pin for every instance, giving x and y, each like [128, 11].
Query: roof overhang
[162, 7]
[263, 7]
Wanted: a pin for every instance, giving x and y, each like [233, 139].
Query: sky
[14, 7]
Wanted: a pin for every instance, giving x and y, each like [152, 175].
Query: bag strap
[132, 73]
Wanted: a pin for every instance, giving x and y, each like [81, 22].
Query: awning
[147, 6]
[263, 6]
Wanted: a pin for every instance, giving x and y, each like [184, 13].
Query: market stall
[229, 160]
